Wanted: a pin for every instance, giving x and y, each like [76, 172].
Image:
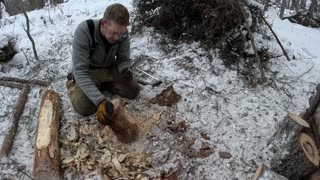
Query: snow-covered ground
[237, 119]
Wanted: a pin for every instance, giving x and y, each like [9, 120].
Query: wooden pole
[10, 134]
[46, 149]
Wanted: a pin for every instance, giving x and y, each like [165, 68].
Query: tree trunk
[313, 8]
[296, 153]
[264, 172]
[282, 8]
[46, 150]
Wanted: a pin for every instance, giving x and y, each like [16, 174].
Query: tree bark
[46, 150]
[301, 159]
[264, 172]
[16, 114]
[296, 153]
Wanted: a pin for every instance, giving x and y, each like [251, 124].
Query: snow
[238, 119]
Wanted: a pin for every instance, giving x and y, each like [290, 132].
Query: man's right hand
[104, 112]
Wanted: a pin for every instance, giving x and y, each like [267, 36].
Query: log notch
[10, 134]
[296, 153]
[125, 130]
[46, 150]
[264, 172]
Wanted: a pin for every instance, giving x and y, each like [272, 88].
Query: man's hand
[104, 112]
[126, 73]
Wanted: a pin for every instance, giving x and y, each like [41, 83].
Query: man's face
[112, 31]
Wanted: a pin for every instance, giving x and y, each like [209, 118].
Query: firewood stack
[296, 143]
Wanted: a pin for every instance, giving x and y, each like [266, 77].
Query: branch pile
[214, 23]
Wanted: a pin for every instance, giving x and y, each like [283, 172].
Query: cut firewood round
[299, 120]
[310, 149]
[264, 172]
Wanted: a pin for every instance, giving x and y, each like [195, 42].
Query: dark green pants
[106, 80]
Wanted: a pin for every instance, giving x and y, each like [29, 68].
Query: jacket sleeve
[123, 53]
[80, 61]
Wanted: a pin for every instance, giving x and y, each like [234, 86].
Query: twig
[28, 33]
[10, 134]
[25, 81]
[263, 77]
[284, 51]
[25, 57]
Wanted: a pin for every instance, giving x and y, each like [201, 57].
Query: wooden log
[26, 81]
[125, 130]
[289, 144]
[264, 172]
[314, 102]
[302, 158]
[46, 150]
[10, 134]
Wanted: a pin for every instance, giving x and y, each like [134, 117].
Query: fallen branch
[10, 134]
[11, 84]
[284, 51]
[26, 81]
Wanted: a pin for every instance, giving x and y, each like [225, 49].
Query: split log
[264, 172]
[46, 150]
[10, 134]
[125, 130]
[296, 153]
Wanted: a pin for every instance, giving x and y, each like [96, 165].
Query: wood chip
[72, 134]
[117, 164]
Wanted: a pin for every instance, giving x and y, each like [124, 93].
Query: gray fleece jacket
[118, 54]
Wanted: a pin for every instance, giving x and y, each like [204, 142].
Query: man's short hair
[117, 13]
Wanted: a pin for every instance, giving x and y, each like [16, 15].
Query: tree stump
[125, 130]
[46, 150]
[296, 153]
[264, 172]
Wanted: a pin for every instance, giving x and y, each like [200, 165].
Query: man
[101, 64]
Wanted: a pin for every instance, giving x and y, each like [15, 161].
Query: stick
[11, 84]
[10, 134]
[26, 81]
[263, 77]
[284, 51]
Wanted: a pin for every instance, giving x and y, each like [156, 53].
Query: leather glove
[104, 112]
[126, 73]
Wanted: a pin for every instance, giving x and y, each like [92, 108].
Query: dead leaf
[224, 155]
[179, 127]
[167, 97]
[205, 136]
[205, 151]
